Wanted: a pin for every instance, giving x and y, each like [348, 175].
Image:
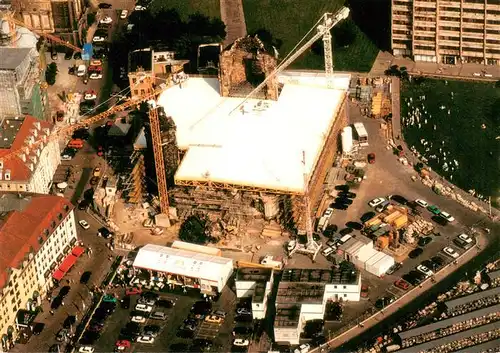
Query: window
[59, 216]
[335, 287]
[53, 224]
[136, 92]
[345, 295]
[40, 240]
[134, 80]
[345, 287]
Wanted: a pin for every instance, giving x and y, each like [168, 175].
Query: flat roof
[181, 262]
[449, 322]
[298, 293]
[263, 141]
[451, 304]
[254, 274]
[287, 315]
[259, 292]
[11, 58]
[494, 274]
[451, 338]
[489, 346]
[140, 58]
[300, 275]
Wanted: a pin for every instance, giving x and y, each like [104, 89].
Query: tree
[194, 230]
[344, 34]
[51, 73]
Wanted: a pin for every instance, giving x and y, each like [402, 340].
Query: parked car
[146, 339]
[399, 199]
[243, 311]
[415, 253]
[64, 291]
[214, 319]
[451, 252]
[347, 195]
[327, 252]
[123, 14]
[38, 328]
[220, 313]
[104, 5]
[447, 216]
[106, 20]
[242, 330]
[394, 268]
[165, 303]
[151, 330]
[426, 271]
[371, 158]
[367, 216]
[430, 265]
[422, 203]
[125, 302]
[240, 342]
[376, 202]
[303, 348]
[83, 223]
[139, 319]
[402, 284]
[384, 301]
[424, 241]
[104, 232]
[85, 277]
[438, 260]
[464, 241]
[158, 315]
[146, 301]
[144, 307]
[434, 210]
[133, 291]
[61, 335]
[382, 206]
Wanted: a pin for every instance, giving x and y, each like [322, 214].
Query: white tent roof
[141, 142]
[181, 262]
[260, 144]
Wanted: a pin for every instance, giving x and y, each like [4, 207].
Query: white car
[139, 319]
[106, 20]
[328, 251]
[303, 348]
[90, 96]
[447, 216]
[81, 70]
[464, 237]
[96, 62]
[66, 157]
[139, 8]
[95, 76]
[328, 213]
[86, 349]
[146, 339]
[123, 14]
[144, 307]
[83, 223]
[240, 342]
[98, 39]
[376, 202]
[425, 271]
[422, 203]
[451, 252]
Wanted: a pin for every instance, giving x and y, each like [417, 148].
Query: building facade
[20, 83]
[33, 167]
[64, 17]
[36, 232]
[448, 32]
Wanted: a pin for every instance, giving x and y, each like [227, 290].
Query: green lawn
[455, 112]
[290, 20]
[188, 7]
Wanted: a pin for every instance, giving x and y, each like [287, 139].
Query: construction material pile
[419, 227]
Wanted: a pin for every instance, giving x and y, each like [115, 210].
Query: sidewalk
[233, 16]
[341, 339]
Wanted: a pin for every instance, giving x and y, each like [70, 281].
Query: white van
[81, 70]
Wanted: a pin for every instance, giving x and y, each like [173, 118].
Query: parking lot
[169, 336]
[387, 177]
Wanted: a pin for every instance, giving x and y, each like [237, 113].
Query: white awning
[182, 262]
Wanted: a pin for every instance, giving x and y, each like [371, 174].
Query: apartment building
[36, 233]
[33, 167]
[448, 32]
[20, 83]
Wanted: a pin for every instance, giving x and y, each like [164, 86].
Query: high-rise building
[20, 83]
[37, 233]
[448, 32]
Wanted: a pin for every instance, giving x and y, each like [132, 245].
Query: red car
[364, 291]
[371, 158]
[402, 284]
[121, 345]
[100, 151]
[133, 291]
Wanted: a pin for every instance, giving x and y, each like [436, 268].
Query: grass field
[188, 7]
[290, 20]
[459, 121]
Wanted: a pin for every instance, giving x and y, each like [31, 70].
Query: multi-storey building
[33, 166]
[36, 233]
[449, 32]
[64, 17]
[20, 83]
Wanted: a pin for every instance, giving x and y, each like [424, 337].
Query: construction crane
[11, 20]
[323, 27]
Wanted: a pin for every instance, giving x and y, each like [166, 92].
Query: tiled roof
[23, 230]
[19, 170]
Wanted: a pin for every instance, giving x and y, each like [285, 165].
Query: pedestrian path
[233, 16]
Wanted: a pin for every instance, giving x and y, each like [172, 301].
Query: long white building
[33, 167]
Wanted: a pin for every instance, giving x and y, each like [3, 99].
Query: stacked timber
[272, 230]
